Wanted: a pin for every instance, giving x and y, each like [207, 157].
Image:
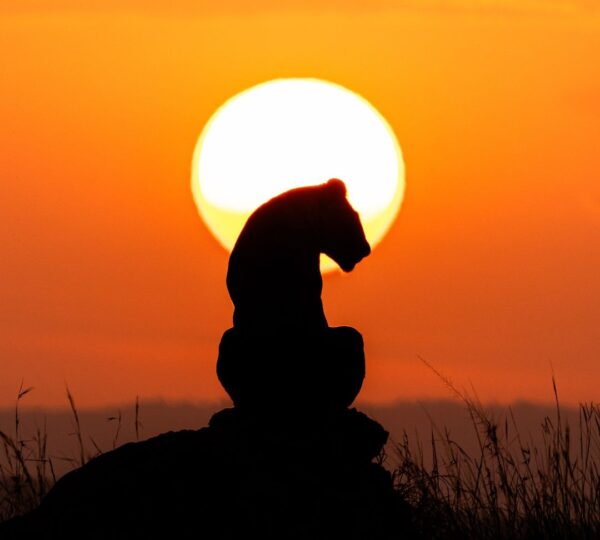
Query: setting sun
[288, 133]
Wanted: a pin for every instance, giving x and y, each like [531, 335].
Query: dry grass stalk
[508, 489]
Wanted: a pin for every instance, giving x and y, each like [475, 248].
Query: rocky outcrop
[241, 477]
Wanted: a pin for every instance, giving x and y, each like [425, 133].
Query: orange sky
[109, 280]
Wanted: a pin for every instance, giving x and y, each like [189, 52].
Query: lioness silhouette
[281, 347]
[273, 277]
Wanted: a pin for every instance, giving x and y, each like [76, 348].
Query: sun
[288, 133]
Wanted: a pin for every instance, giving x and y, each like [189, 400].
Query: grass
[27, 472]
[508, 489]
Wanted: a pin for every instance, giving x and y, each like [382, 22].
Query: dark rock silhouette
[238, 478]
[290, 460]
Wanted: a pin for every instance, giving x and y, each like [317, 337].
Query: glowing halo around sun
[288, 133]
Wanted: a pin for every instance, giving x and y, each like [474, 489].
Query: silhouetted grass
[24, 470]
[27, 471]
[509, 488]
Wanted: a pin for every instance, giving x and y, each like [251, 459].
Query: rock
[241, 477]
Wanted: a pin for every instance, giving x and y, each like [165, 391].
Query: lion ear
[336, 187]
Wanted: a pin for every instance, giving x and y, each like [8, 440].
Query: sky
[111, 284]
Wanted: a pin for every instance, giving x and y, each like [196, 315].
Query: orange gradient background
[109, 280]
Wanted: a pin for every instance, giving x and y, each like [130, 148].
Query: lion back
[273, 276]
